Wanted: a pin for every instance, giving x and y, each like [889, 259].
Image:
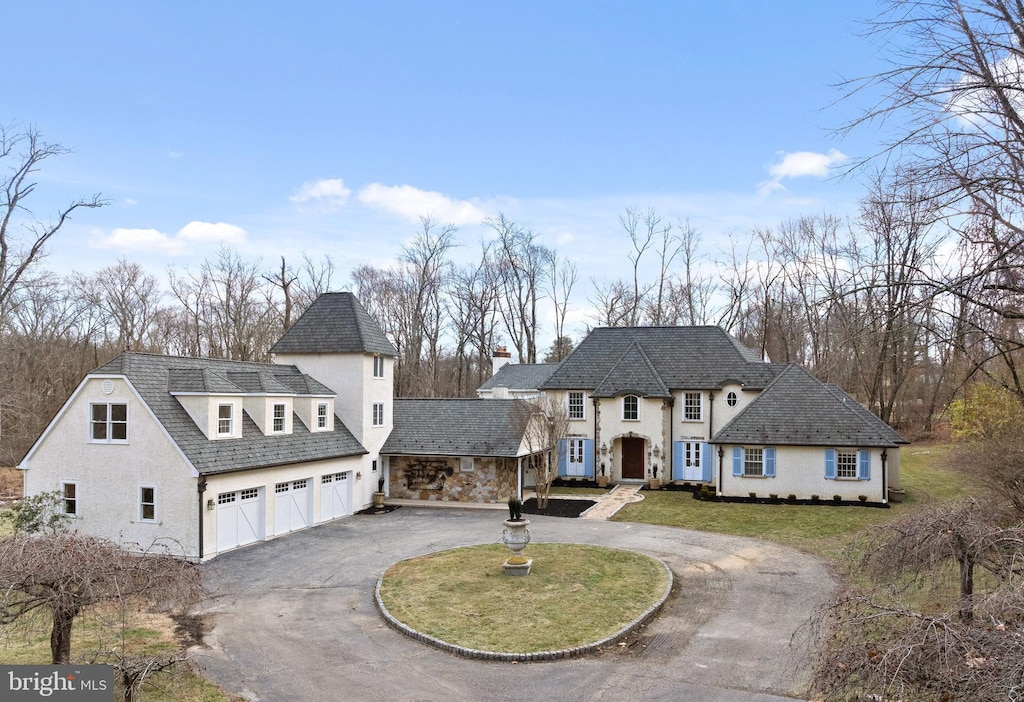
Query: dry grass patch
[574, 595]
[96, 632]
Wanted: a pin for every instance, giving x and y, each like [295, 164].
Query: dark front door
[632, 459]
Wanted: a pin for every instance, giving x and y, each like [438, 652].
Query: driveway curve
[293, 618]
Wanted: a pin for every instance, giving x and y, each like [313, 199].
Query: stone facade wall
[439, 478]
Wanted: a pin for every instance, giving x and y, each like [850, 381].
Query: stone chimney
[500, 357]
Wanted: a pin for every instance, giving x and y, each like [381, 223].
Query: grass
[27, 642]
[825, 530]
[574, 595]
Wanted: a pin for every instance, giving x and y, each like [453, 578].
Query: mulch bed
[558, 508]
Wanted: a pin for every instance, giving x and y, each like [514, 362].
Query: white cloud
[156, 241]
[172, 154]
[799, 164]
[412, 203]
[326, 192]
[130, 201]
[210, 232]
[151, 240]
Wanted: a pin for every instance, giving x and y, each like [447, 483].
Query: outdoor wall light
[209, 504]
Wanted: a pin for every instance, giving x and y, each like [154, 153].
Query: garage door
[239, 518]
[335, 496]
[292, 506]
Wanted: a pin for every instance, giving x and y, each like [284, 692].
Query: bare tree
[520, 263]
[953, 99]
[545, 425]
[128, 299]
[64, 574]
[22, 152]
[562, 275]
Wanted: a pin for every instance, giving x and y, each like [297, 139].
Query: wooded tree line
[879, 304]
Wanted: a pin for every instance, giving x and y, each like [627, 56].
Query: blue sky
[331, 127]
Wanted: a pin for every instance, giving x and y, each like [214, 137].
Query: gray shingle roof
[796, 409]
[633, 374]
[693, 358]
[335, 323]
[520, 376]
[155, 376]
[455, 427]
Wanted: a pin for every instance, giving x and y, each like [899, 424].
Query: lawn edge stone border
[561, 654]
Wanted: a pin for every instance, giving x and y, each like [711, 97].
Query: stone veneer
[439, 478]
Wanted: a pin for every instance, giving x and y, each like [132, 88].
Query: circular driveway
[293, 618]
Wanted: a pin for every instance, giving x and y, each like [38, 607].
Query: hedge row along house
[215, 454]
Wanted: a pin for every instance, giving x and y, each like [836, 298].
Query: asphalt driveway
[293, 618]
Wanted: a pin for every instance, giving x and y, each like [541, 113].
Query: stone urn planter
[516, 536]
[378, 497]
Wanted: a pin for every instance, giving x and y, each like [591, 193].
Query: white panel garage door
[292, 506]
[239, 518]
[335, 496]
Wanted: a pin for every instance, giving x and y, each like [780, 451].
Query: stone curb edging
[561, 654]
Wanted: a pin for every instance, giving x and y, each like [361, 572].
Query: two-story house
[692, 404]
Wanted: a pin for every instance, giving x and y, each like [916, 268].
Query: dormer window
[279, 408]
[631, 407]
[378, 366]
[321, 415]
[225, 420]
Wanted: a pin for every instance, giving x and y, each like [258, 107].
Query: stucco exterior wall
[109, 475]
[438, 478]
[265, 479]
[721, 412]
[800, 471]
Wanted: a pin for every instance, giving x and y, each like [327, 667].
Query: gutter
[201, 483]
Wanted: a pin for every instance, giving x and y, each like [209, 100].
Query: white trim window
[147, 503]
[378, 414]
[753, 462]
[279, 410]
[69, 494]
[225, 419]
[467, 464]
[693, 406]
[846, 463]
[631, 408]
[577, 409]
[108, 422]
[378, 366]
[321, 415]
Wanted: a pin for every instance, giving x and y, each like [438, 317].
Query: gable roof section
[693, 358]
[335, 323]
[455, 427]
[632, 374]
[155, 377]
[520, 376]
[796, 409]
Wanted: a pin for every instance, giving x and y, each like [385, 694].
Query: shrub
[39, 514]
[862, 498]
[753, 495]
[791, 497]
[772, 496]
[987, 412]
[837, 498]
[815, 498]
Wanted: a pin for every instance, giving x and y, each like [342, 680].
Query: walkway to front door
[632, 459]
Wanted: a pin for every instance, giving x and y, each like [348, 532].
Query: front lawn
[575, 595]
[823, 530]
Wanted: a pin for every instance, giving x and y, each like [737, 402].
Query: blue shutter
[563, 456]
[830, 464]
[706, 458]
[737, 461]
[864, 464]
[588, 458]
[678, 460]
[769, 462]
